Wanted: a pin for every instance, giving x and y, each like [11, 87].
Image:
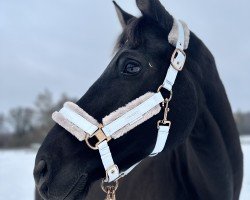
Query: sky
[64, 45]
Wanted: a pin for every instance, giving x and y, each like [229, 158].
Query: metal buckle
[100, 136]
[179, 65]
[112, 170]
[164, 123]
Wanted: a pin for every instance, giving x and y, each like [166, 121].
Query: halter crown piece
[84, 127]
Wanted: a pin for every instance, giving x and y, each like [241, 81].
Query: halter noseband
[84, 127]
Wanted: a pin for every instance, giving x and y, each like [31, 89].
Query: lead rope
[109, 190]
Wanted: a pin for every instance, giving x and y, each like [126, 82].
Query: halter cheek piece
[84, 127]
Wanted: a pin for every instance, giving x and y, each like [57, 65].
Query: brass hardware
[170, 93]
[113, 168]
[110, 190]
[178, 67]
[166, 109]
[100, 136]
[164, 123]
[159, 88]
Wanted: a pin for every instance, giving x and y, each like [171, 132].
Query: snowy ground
[245, 193]
[16, 180]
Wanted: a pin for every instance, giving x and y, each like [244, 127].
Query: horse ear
[123, 16]
[155, 10]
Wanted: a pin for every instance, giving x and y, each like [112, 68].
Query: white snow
[16, 179]
[16, 174]
[245, 192]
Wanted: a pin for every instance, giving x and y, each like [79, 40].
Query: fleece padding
[70, 127]
[81, 112]
[173, 35]
[67, 125]
[80, 134]
[122, 110]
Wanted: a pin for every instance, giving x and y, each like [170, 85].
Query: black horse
[202, 158]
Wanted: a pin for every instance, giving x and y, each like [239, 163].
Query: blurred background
[48, 47]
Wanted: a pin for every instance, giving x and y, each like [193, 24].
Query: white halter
[80, 124]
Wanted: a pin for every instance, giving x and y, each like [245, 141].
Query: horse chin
[77, 191]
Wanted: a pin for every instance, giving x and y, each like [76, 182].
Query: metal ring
[104, 188]
[88, 144]
[100, 136]
[159, 88]
[170, 91]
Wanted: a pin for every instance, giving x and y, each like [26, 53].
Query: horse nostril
[44, 191]
[40, 171]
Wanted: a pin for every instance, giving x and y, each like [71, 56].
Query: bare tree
[21, 120]
[243, 122]
[44, 105]
[2, 124]
[35, 122]
[64, 98]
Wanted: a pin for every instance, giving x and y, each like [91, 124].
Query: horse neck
[215, 125]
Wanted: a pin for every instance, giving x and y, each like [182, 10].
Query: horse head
[65, 168]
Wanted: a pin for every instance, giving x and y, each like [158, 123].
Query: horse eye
[132, 68]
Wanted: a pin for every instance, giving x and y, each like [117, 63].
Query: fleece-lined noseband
[84, 127]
